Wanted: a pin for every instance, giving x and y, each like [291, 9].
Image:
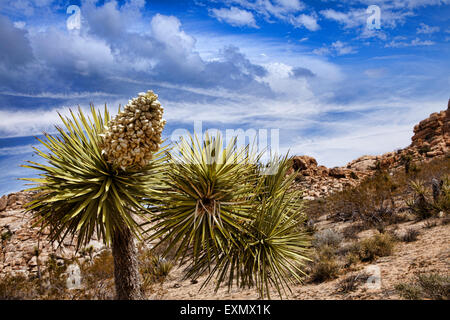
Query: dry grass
[325, 265]
[380, 245]
[425, 286]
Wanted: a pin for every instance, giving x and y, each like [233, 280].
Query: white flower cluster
[135, 133]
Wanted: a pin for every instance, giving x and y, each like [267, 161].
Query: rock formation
[22, 245]
[431, 139]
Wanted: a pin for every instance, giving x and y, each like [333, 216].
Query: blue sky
[335, 88]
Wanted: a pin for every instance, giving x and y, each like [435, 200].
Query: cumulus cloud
[15, 48]
[112, 53]
[309, 22]
[235, 17]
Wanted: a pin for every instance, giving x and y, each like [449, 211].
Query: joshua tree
[97, 174]
[231, 219]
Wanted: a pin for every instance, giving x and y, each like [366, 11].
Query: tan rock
[3, 202]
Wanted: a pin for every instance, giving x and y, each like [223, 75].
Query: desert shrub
[98, 277]
[352, 258]
[434, 286]
[327, 237]
[351, 283]
[408, 291]
[6, 235]
[153, 267]
[379, 245]
[325, 265]
[310, 226]
[351, 231]
[426, 286]
[18, 287]
[410, 235]
[373, 201]
[50, 284]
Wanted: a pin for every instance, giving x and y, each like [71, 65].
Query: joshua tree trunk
[126, 272]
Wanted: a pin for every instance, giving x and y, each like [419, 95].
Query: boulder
[3, 203]
[302, 163]
[337, 173]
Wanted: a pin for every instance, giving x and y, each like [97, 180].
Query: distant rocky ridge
[431, 139]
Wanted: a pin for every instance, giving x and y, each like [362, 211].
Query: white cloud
[291, 4]
[414, 43]
[352, 19]
[426, 29]
[338, 48]
[167, 29]
[309, 22]
[284, 10]
[31, 122]
[20, 24]
[7, 151]
[79, 53]
[235, 17]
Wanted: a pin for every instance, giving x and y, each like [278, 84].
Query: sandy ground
[431, 252]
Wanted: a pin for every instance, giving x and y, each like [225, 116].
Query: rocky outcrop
[23, 247]
[432, 135]
[318, 181]
[431, 139]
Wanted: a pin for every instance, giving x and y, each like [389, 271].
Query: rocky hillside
[431, 139]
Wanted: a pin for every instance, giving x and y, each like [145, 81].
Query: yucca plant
[420, 203]
[81, 193]
[207, 196]
[250, 230]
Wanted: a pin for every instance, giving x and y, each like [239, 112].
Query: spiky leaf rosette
[273, 249]
[207, 196]
[79, 192]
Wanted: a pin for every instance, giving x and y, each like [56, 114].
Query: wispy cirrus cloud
[338, 48]
[413, 43]
[426, 29]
